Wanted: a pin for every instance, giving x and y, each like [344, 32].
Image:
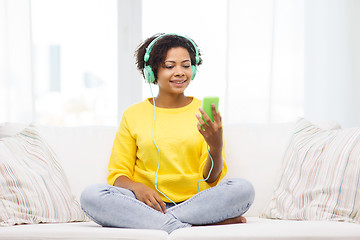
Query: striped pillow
[33, 186]
[320, 176]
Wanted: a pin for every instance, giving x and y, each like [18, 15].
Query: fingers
[161, 206]
[156, 202]
[149, 196]
[204, 119]
[217, 117]
[201, 125]
[211, 131]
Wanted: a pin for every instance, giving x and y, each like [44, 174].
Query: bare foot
[232, 221]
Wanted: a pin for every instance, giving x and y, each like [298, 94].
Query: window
[253, 53]
[75, 61]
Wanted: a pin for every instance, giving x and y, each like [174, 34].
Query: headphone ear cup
[149, 74]
[194, 70]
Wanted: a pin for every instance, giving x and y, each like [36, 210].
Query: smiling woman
[161, 154]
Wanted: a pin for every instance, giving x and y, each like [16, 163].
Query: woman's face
[175, 74]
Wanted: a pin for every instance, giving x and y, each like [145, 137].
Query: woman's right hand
[142, 192]
[149, 196]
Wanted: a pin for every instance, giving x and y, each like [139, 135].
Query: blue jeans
[112, 206]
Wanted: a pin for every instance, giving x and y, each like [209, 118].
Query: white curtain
[252, 52]
[16, 88]
[255, 57]
[265, 70]
[332, 61]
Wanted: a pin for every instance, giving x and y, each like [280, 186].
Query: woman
[167, 161]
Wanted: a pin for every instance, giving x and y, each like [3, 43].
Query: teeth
[178, 81]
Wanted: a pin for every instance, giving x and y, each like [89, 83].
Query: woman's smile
[178, 83]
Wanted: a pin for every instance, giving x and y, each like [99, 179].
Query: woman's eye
[186, 66]
[169, 67]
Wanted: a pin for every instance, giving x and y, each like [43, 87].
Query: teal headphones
[149, 73]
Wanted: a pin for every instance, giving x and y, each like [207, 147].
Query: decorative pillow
[320, 176]
[33, 186]
[8, 129]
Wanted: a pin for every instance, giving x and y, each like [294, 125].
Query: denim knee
[242, 189]
[91, 194]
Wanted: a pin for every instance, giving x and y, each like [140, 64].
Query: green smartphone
[206, 105]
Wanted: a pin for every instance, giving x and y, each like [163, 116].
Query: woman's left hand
[212, 131]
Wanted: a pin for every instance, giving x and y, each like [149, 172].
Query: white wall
[332, 61]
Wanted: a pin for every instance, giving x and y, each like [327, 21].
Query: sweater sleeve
[123, 155]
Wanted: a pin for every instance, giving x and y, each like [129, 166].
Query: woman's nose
[179, 72]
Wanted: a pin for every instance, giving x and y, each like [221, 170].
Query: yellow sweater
[183, 151]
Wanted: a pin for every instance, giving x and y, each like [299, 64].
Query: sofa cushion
[83, 152]
[78, 231]
[256, 228]
[320, 176]
[266, 229]
[255, 152]
[8, 129]
[34, 188]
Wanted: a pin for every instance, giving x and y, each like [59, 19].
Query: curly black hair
[160, 49]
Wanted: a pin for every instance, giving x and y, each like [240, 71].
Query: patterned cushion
[33, 186]
[320, 176]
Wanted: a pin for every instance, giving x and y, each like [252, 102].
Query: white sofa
[254, 152]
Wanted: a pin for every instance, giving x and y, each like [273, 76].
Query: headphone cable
[211, 168]
[158, 167]
[153, 138]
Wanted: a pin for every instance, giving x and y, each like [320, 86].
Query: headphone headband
[149, 48]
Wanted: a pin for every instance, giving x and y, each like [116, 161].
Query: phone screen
[206, 105]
